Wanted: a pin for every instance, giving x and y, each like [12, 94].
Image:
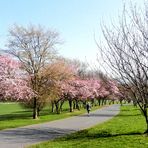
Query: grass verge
[123, 131]
[13, 115]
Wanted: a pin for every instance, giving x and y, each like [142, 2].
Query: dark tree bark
[52, 106]
[35, 112]
[70, 105]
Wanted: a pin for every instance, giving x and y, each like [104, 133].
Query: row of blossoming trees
[35, 75]
[80, 90]
[63, 86]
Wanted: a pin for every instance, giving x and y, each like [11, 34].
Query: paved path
[23, 136]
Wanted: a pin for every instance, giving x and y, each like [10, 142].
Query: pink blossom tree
[77, 90]
[13, 85]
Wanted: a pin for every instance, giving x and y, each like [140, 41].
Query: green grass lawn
[13, 115]
[123, 131]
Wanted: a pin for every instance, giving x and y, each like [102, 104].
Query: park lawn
[123, 131]
[14, 115]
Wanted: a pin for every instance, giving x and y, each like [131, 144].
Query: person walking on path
[88, 107]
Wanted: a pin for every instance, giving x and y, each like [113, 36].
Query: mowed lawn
[14, 115]
[123, 131]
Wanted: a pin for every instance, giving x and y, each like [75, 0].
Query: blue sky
[76, 20]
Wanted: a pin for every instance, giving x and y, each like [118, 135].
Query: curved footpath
[27, 135]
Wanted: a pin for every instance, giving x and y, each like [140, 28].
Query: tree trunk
[102, 101]
[110, 102]
[105, 102]
[77, 105]
[84, 104]
[146, 132]
[52, 107]
[35, 116]
[121, 103]
[74, 104]
[99, 101]
[70, 106]
[61, 104]
[57, 107]
[113, 102]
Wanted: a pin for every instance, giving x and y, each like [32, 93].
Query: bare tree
[125, 55]
[34, 47]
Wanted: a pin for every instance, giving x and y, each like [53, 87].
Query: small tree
[55, 76]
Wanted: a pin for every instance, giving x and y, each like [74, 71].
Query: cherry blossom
[12, 83]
